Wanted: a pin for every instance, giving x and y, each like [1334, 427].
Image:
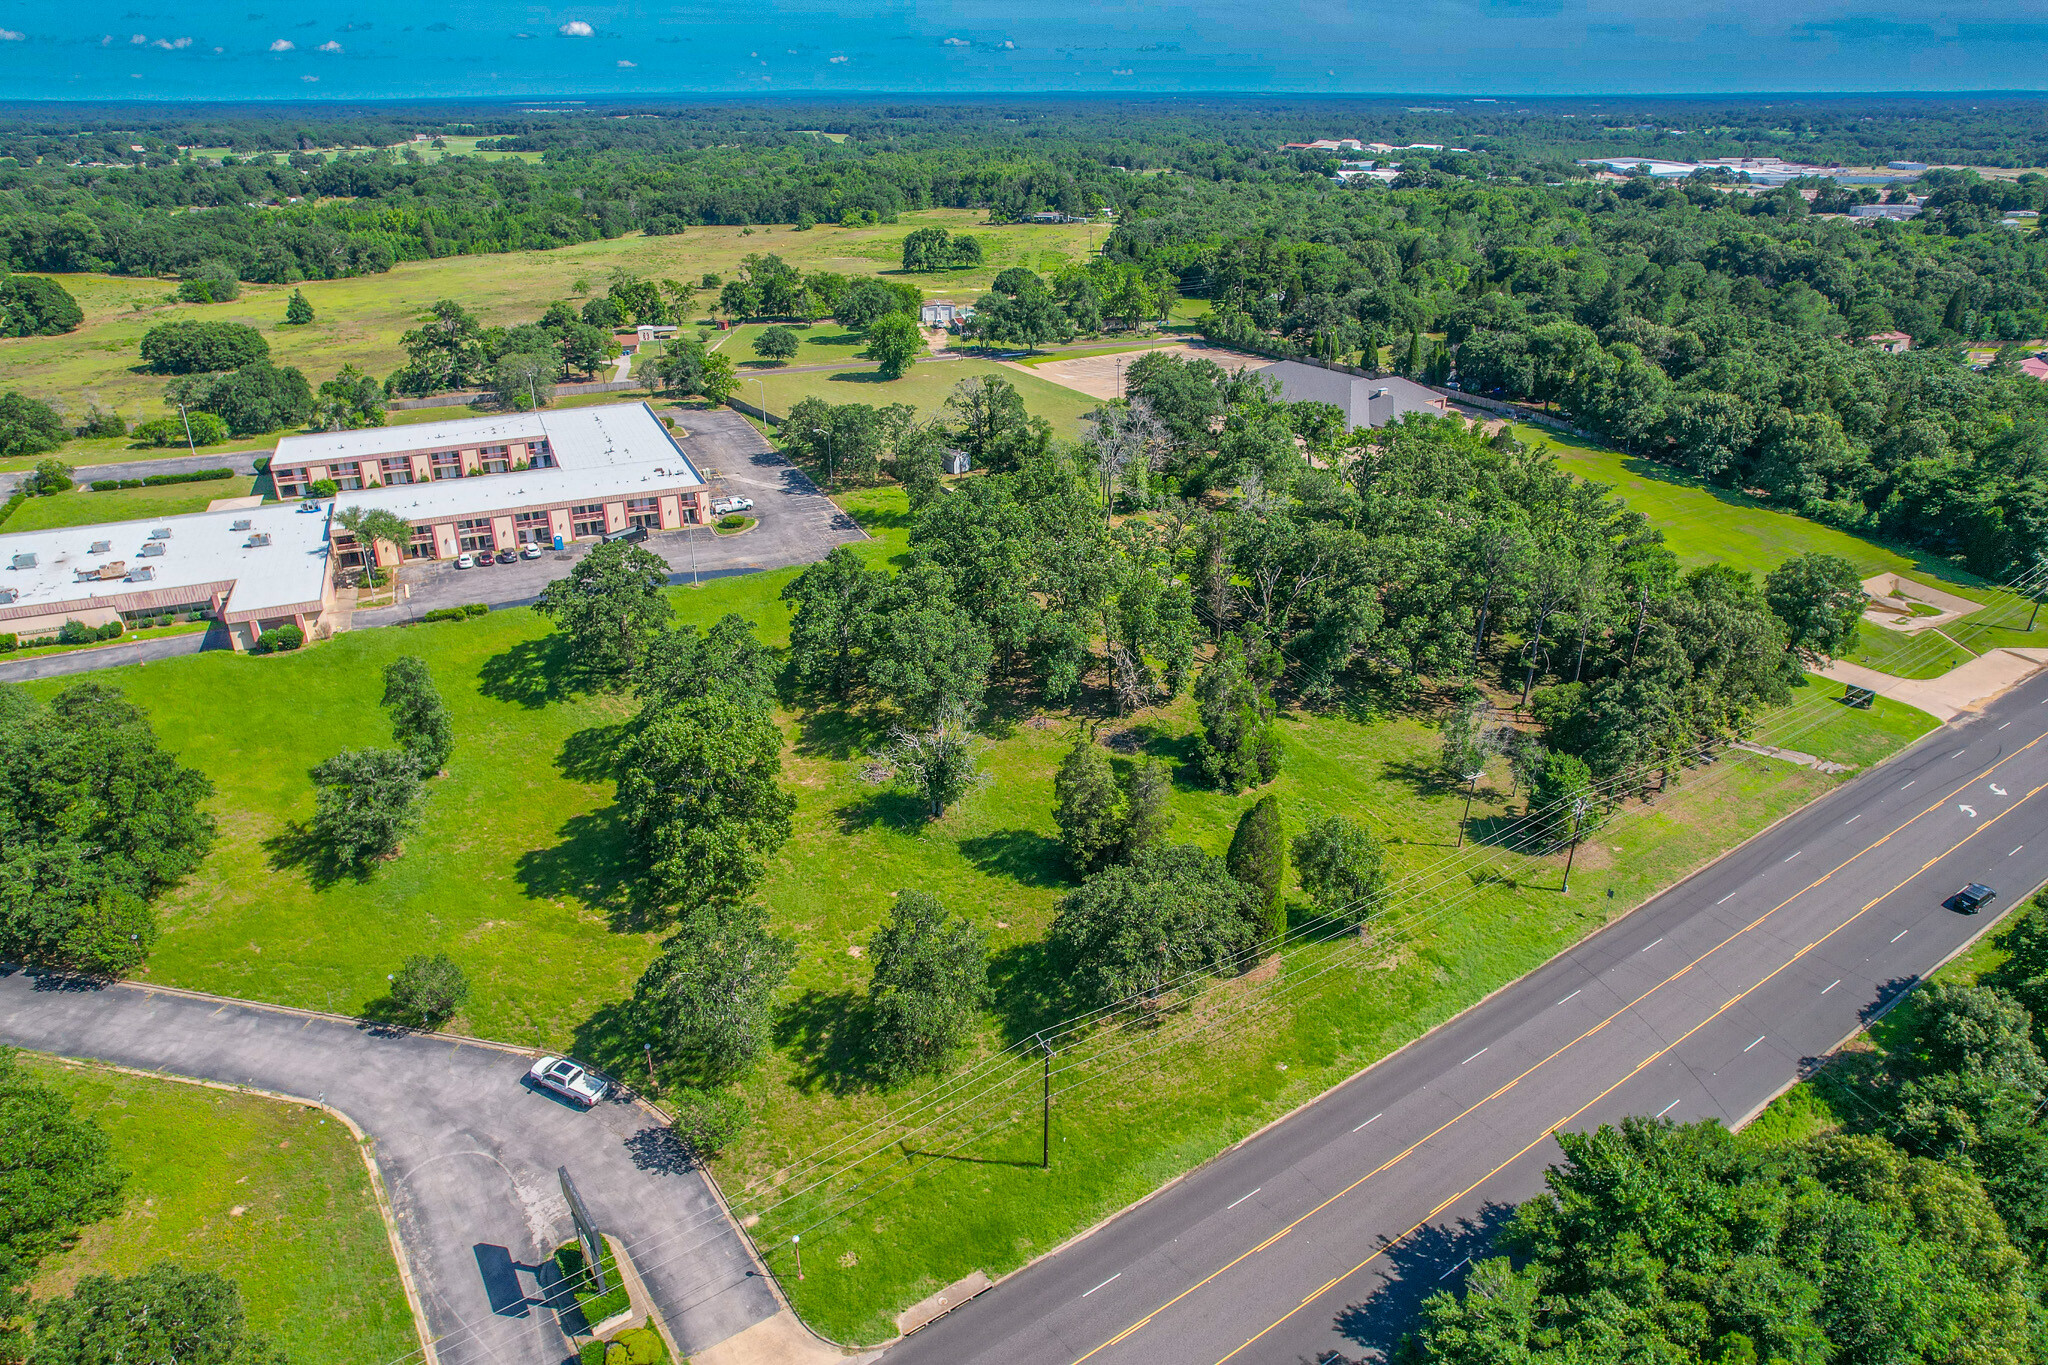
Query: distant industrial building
[1364, 402]
[1895, 212]
[1896, 343]
[944, 314]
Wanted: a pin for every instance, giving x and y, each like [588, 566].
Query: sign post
[586, 1233]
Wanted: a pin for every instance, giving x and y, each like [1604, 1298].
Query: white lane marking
[1854, 818]
[1226, 1208]
[1118, 1276]
[1970, 811]
[1901, 934]
[1651, 944]
[1959, 753]
[1996, 790]
[1729, 897]
[2015, 850]
[1909, 784]
[1831, 985]
[2003, 726]
[1794, 854]
[1369, 1122]
[1667, 1109]
[1759, 1038]
[1453, 1270]
[1569, 997]
[1475, 1055]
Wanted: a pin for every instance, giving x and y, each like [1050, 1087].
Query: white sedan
[572, 1082]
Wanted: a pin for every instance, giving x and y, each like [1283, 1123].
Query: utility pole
[190, 449]
[1578, 829]
[796, 1246]
[1045, 1112]
[1471, 786]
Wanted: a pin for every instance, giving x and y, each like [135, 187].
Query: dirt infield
[1100, 376]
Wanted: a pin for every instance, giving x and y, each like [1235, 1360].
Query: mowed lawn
[522, 873]
[359, 321]
[83, 507]
[925, 386]
[1703, 524]
[273, 1195]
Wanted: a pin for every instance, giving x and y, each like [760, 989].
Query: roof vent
[100, 547]
[7, 596]
[258, 541]
[25, 561]
[143, 573]
[242, 525]
[160, 533]
[155, 547]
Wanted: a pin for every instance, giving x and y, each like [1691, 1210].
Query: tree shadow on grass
[532, 673]
[594, 863]
[1422, 778]
[609, 1041]
[829, 1035]
[1023, 855]
[1031, 990]
[590, 755]
[891, 809]
[1412, 1269]
[296, 848]
[839, 733]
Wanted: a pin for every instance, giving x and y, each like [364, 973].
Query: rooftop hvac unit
[100, 547]
[160, 533]
[242, 525]
[145, 573]
[25, 561]
[155, 547]
[7, 596]
[258, 541]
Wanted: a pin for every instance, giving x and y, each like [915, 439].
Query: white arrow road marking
[1996, 790]
[1970, 811]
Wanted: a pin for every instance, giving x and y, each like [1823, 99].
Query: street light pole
[190, 449]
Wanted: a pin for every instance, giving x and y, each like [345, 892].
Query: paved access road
[797, 524]
[1313, 1241]
[468, 1153]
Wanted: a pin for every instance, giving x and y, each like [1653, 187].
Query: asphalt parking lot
[796, 524]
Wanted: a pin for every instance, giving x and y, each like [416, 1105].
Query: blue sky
[263, 49]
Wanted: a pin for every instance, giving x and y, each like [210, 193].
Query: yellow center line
[1637, 1070]
[1206, 1280]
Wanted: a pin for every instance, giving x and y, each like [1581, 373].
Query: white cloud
[1124, 72]
[958, 42]
[624, 62]
[283, 45]
[575, 28]
[309, 78]
[839, 59]
[138, 39]
[8, 35]
[1008, 44]
[330, 46]
[107, 40]
[173, 44]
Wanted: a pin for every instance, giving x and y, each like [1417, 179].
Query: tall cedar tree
[930, 977]
[1088, 807]
[419, 718]
[1258, 858]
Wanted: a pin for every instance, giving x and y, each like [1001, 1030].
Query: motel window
[539, 456]
[644, 512]
[421, 546]
[291, 483]
[531, 528]
[447, 464]
[397, 470]
[587, 520]
[475, 534]
[495, 459]
[346, 476]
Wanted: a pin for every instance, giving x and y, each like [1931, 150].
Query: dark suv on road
[1972, 898]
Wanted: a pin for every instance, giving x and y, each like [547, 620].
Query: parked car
[508, 556]
[483, 559]
[632, 535]
[530, 550]
[572, 1082]
[1972, 898]
[734, 504]
[465, 560]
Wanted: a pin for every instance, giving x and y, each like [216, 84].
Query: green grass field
[273, 1195]
[926, 386]
[1703, 524]
[83, 507]
[521, 861]
[359, 321]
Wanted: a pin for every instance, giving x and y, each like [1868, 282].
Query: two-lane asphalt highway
[1313, 1241]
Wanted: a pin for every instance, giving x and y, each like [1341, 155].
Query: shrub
[428, 990]
[731, 521]
[207, 429]
[79, 633]
[571, 1266]
[323, 488]
[7, 508]
[48, 477]
[202, 347]
[8, 644]
[160, 480]
[709, 1120]
[475, 608]
[445, 614]
[211, 282]
[637, 1346]
[101, 421]
[591, 1352]
[279, 641]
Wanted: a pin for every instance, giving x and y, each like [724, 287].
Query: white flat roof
[486, 494]
[609, 436]
[203, 548]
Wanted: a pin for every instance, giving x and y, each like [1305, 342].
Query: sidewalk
[1966, 687]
